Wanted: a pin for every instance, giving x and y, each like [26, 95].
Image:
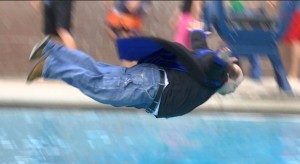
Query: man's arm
[198, 36]
[37, 5]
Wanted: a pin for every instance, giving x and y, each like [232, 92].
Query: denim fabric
[115, 85]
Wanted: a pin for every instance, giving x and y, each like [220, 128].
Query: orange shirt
[122, 20]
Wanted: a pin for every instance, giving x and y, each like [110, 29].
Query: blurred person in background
[187, 12]
[168, 81]
[125, 19]
[57, 17]
[291, 40]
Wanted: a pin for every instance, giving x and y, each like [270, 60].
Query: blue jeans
[115, 85]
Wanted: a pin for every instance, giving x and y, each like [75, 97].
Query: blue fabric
[107, 84]
[136, 48]
[200, 53]
[145, 50]
[165, 59]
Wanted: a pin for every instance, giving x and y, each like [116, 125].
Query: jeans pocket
[151, 92]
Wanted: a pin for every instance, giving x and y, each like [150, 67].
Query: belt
[155, 102]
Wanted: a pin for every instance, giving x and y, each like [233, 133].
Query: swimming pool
[114, 136]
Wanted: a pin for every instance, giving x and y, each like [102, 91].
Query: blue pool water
[114, 136]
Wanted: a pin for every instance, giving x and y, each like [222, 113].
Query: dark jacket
[204, 75]
[194, 76]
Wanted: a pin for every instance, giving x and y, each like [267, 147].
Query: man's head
[235, 78]
[133, 6]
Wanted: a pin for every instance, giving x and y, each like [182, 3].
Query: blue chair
[257, 41]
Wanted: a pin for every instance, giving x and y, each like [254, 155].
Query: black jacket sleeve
[215, 69]
[204, 68]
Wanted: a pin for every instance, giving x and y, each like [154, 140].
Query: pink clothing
[182, 33]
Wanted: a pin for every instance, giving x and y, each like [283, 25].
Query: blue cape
[174, 56]
[147, 50]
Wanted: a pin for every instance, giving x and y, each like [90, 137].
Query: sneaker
[37, 50]
[37, 70]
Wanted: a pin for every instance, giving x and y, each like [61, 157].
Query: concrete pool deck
[251, 96]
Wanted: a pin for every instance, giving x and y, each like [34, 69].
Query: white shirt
[157, 107]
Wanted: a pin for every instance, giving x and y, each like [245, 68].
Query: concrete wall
[20, 29]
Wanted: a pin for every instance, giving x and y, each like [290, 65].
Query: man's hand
[195, 25]
[225, 54]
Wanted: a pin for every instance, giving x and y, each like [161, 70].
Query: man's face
[232, 84]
